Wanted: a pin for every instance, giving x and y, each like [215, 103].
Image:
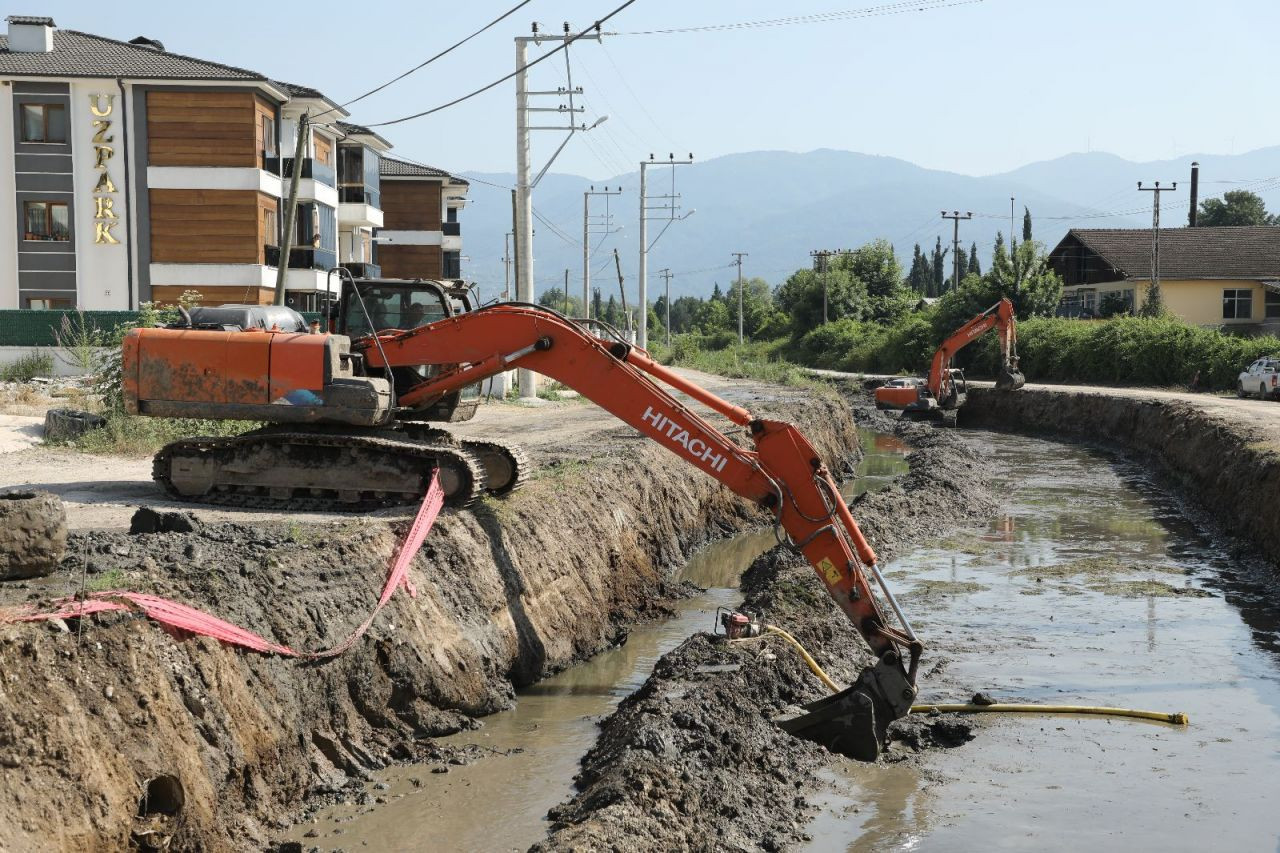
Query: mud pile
[692, 761]
[91, 714]
[1227, 468]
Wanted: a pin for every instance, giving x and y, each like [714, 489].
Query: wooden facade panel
[411, 261]
[205, 226]
[180, 134]
[411, 205]
[324, 150]
[168, 294]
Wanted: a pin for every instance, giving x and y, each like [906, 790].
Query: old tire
[69, 424]
[33, 534]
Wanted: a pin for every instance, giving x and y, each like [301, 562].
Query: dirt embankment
[691, 760]
[509, 592]
[1227, 464]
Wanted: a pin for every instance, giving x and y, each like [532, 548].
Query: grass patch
[130, 435]
[1096, 568]
[28, 367]
[1147, 589]
[759, 360]
[107, 580]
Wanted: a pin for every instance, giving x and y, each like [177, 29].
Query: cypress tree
[1026, 224]
[974, 268]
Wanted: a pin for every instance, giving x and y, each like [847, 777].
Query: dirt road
[102, 492]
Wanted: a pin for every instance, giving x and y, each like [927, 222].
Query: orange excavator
[944, 389]
[324, 381]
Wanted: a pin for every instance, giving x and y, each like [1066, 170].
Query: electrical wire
[819, 18]
[568, 41]
[442, 53]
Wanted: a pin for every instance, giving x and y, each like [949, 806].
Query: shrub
[28, 367]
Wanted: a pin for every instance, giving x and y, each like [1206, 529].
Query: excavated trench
[1037, 571]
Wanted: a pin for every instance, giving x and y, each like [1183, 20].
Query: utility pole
[506, 267]
[955, 217]
[1012, 216]
[666, 274]
[617, 263]
[1152, 306]
[525, 185]
[671, 206]
[586, 240]
[566, 293]
[821, 265]
[291, 206]
[740, 256]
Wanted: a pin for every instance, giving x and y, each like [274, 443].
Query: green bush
[28, 367]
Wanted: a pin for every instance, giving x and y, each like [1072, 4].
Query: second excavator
[944, 389]
[328, 378]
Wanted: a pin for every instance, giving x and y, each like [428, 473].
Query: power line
[820, 18]
[568, 41]
[442, 53]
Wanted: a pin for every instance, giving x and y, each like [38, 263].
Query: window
[44, 123]
[1272, 305]
[45, 220]
[267, 134]
[270, 233]
[1237, 304]
[49, 304]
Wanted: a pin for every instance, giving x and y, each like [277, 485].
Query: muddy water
[1149, 613]
[501, 803]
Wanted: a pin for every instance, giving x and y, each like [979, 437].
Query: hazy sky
[980, 87]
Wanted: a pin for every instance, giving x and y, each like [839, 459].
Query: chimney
[1195, 194]
[29, 34]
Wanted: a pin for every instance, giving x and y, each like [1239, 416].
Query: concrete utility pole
[506, 267]
[672, 205]
[586, 240]
[1152, 306]
[1012, 217]
[955, 217]
[291, 206]
[666, 274]
[525, 185]
[740, 256]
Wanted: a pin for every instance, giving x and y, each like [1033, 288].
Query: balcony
[451, 229]
[311, 169]
[363, 270]
[302, 257]
[358, 194]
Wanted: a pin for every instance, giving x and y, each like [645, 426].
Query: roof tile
[1249, 252]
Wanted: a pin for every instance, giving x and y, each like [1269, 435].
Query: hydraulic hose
[1179, 719]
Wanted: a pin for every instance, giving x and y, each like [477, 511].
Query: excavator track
[299, 469]
[506, 466]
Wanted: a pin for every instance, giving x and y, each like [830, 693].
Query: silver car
[1261, 378]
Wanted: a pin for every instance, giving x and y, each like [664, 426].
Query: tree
[716, 294]
[973, 268]
[1026, 224]
[939, 269]
[919, 276]
[554, 297]
[800, 297]
[964, 267]
[597, 304]
[1236, 207]
[612, 315]
[877, 267]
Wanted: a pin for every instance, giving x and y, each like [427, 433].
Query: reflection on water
[502, 804]
[1032, 632]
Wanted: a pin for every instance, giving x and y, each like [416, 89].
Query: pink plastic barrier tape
[196, 621]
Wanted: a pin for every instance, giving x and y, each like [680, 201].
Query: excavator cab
[369, 305]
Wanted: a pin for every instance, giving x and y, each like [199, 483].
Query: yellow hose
[1179, 718]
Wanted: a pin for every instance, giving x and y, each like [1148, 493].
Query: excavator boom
[783, 474]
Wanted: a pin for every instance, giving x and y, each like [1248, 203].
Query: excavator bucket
[1010, 379]
[855, 721]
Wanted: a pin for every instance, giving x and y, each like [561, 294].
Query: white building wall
[8, 206]
[102, 268]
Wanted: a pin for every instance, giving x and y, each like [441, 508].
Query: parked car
[1261, 378]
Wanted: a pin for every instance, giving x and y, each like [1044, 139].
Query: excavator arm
[999, 316]
[783, 474]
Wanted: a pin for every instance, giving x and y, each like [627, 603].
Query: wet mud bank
[1227, 468]
[692, 760]
[113, 732]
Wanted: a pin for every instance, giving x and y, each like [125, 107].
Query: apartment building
[129, 173]
[421, 236]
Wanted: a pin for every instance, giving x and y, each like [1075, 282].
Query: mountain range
[777, 206]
